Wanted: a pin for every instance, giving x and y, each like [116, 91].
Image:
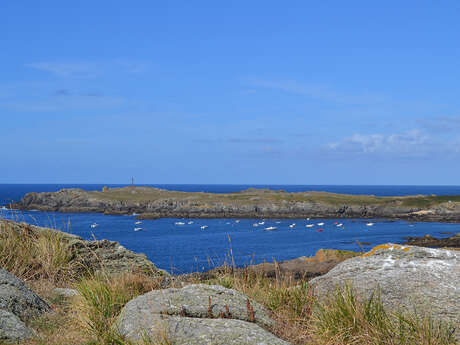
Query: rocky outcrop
[433, 242]
[305, 267]
[406, 276]
[197, 315]
[18, 304]
[154, 203]
[92, 256]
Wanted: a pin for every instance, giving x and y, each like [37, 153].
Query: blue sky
[257, 92]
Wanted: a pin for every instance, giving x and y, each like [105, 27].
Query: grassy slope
[251, 196]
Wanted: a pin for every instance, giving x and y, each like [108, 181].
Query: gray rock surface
[65, 292]
[12, 329]
[18, 299]
[407, 276]
[187, 318]
[18, 304]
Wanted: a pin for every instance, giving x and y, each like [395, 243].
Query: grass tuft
[31, 256]
[103, 297]
[345, 319]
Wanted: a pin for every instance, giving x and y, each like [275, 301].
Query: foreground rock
[109, 256]
[18, 304]
[252, 203]
[12, 329]
[197, 315]
[406, 275]
[18, 299]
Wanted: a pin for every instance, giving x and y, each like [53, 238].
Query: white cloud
[413, 143]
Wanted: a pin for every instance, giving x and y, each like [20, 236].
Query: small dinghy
[271, 228]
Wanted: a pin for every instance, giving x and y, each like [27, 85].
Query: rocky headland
[151, 203]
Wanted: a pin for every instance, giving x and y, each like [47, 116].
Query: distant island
[153, 203]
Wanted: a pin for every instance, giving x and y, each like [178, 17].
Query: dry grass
[346, 320]
[35, 256]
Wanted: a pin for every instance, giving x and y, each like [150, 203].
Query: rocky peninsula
[151, 203]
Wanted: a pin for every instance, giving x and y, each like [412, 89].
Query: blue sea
[187, 248]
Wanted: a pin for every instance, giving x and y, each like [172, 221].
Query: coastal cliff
[151, 203]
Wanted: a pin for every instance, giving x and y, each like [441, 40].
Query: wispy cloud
[253, 140]
[67, 69]
[441, 123]
[88, 69]
[317, 91]
[63, 92]
[239, 140]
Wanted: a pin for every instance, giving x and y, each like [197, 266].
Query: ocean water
[187, 248]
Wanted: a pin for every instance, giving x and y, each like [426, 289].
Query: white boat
[308, 218]
[340, 225]
[271, 228]
[137, 229]
[135, 214]
[94, 225]
[179, 223]
[310, 225]
[204, 227]
[320, 224]
[370, 224]
[190, 222]
[138, 222]
[3, 208]
[261, 223]
[292, 225]
[237, 221]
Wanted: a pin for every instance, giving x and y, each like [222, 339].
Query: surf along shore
[153, 203]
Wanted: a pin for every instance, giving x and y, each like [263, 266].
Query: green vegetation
[141, 194]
